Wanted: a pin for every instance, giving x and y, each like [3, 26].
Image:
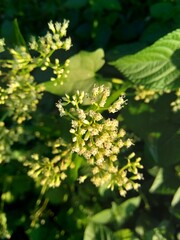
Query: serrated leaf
[83, 67]
[156, 67]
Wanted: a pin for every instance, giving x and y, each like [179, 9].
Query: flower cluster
[52, 40]
[146, 94]
[21, 59]
[50, 172]
[19, 92]
[20, 96]
[176, 104]
[100, 141]
[60, 71]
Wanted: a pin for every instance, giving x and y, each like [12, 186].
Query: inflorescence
[19, 91]
[101, 141]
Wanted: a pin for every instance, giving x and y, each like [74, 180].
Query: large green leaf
[83, 67]
[157, 66]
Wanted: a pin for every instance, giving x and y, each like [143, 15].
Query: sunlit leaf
[96, 231]
[125, 234]
[155, 67]
[83, 67]
[175, 204]
[103, 217]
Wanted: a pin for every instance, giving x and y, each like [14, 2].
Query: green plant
[58, 160]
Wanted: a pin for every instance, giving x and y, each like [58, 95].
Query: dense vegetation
[90, 119]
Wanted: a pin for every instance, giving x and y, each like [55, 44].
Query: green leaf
[117, 213]
[156, 67]
[125, 234]
[11, 32]
[125, 210]
[73, 173]
[166, 182]
[175, 204]
[103, 217]
[96, 231]
[83, 67]
[19, 40]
